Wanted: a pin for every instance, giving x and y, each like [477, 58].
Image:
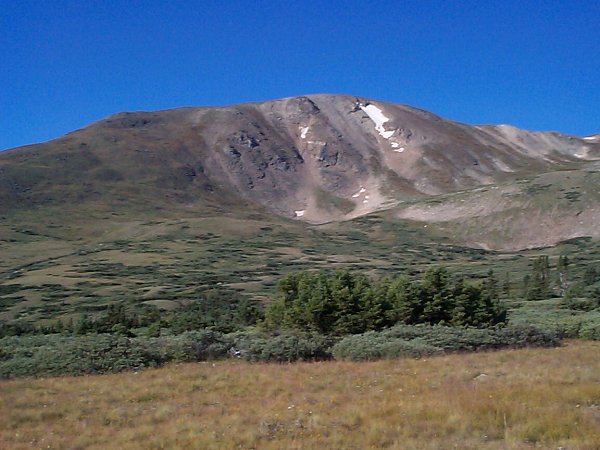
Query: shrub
[580, 304]
[590, 330]
[219, 310]
[421, 340]
[564, 323]
[190, 346]
[55, 355]
[285, 347]
[373, 345]
[65, 355]
[527, 336]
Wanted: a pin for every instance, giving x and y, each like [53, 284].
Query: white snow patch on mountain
[362, 190]
[376, 115]
[397, 147]
[303, 131]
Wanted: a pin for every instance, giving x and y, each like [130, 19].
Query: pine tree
[490, 286]
[539, 288]
[404, 301]
[490, 311]
[436, 296]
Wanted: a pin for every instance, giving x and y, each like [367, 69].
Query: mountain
[319, 158]
[161, 207]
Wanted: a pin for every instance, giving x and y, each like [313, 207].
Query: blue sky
[64, 64]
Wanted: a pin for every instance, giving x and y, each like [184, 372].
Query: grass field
[515, 399]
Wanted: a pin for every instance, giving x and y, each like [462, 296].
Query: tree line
[342, 302]
[542, 282]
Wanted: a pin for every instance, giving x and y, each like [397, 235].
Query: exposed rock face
[284, 155]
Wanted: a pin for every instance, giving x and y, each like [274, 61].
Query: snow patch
[590, 138]
[300, 213]
[396, 147]
[303, 131]
[362, 190]
[376, 115]
[365, 201]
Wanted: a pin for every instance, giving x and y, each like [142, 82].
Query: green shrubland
[423, 340]
[315, 315]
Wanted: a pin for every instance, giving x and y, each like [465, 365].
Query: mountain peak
[314, 158]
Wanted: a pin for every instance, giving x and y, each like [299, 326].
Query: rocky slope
[315, 158]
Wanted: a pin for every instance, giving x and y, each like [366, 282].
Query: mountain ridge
[316, 158]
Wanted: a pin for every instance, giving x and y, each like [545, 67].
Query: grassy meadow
[63, 268]
[512, 399]
[70, 265]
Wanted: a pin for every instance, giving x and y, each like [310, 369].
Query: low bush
[565, 323]
[580, 303]
[374, 345]
[53, 355]
[200, 345]
[285, 347]
[421, 340]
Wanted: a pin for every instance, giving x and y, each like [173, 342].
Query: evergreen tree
[490, 310]
[83, 325]
[465, 299]
[539, 288]
[436, 296]
[345, 303]
[403, 298]
[490, 286]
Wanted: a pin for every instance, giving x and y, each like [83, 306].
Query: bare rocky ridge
[320, 158]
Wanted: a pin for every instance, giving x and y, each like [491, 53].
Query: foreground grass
[532, 398]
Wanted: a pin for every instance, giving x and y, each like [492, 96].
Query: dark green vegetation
[344, 303]
[317, 315]
[422, 340]
[54, 355]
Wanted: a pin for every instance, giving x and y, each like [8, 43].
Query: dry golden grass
[532, 398]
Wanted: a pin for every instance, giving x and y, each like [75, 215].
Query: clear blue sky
[64, 64]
